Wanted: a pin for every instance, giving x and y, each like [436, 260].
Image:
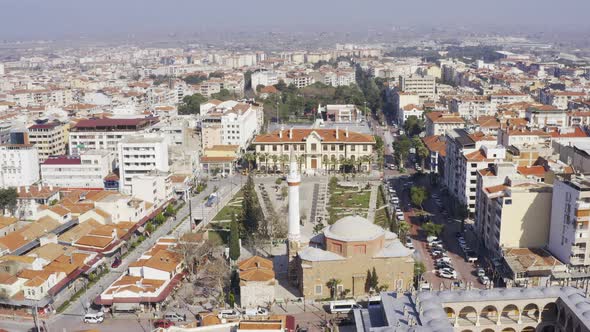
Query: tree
[250, 158]
[191, 104]
[413, 126]
[403, 228]
[194, 79]
[264, 158]
[284, 159]
[8, 199]
[251, 211]
[149, 228]
[222, 95]
[332, 285]
[433, 229]
[401, 148]
[374, 279]
[170, 210]
[418, 195]
[160, 219]
[368, 279]
[275, 159]
[234, 239]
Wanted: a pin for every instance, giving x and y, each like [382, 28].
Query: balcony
[578, 251]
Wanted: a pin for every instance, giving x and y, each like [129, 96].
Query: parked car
[444, 259]
[175, 317]
[256, 312]
[480, 272]
[163, 323]
[447, 274]
[116, 262]
[441, 265]
[94, 318]
[228, 314]
[409, 244]
[484, 280]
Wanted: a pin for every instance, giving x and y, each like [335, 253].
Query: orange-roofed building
[257, 282]
[437, 123]
[318, 149]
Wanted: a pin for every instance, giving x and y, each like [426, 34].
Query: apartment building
[472, 106]
[546, 115]
[50, 139]
[266, 78]
[26, 98]
[512, 211]
[105, 134]
[19, 165]
[299, 79]
[465, 154]
[139, 155]
[423, 86]
[230, 123]
[317, 150]
[437, 123]
[86, 170]
[402, 99]
[559, 99]
[523, 137]
[508, 97]
[569, 238]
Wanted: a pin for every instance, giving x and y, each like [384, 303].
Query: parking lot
[462, 272]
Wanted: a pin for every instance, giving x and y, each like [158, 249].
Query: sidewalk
[373, 202]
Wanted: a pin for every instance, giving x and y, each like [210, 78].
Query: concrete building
[343, 113]
[437, 123]
[471, 106]
[570, 221]
[464, 156]
[86, 170]
[50, 139]
[266, 78]
[139, 155]
[546, 115]
[257, 282]
[423, 86]
[512, 214]
[19, 165]
[105, 134]
[493, 310]
[345, 251]
[402, 99]
[559, 99]
[316, 150]
[154, 187]
[230, 123]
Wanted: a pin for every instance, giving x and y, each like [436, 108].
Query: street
[71, 318]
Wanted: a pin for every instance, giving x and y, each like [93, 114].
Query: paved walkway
[373, 202]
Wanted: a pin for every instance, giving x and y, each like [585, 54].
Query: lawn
[381, 214]
[347, 202]
[234, 206]
[218, 236]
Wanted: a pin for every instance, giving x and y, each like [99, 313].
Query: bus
[343, 307]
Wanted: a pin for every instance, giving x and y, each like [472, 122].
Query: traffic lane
[465, 270]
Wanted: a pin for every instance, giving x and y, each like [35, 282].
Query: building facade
[19, 165]
[49, 138]
[139, 155]
[315, 149]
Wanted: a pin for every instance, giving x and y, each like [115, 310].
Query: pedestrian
[184, 317]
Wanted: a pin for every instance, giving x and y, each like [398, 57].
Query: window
[302, 147]
[352, 147]
[365, 148]
[318, 289]
[324, 147]
[341, 147]
[333, 147]
[337, 248]
[262, 148]
[360, 249]
[314, 146]
[508, 201]
[274, 148]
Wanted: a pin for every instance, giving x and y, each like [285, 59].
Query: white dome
[353, 228]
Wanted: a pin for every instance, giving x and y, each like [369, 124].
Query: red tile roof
[327, 135]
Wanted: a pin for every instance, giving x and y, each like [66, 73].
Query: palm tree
[325, 162]
[274, 159]
[264, 158]
[283, 159]
[342, 162]
[300, 160]
[333, 163]
[333, 284]
[402, 229]
[249, 157]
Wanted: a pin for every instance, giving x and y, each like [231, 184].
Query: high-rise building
[19, 165]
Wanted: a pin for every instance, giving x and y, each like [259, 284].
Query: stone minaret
[293, 237]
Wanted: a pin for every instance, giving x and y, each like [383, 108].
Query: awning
[125, 306]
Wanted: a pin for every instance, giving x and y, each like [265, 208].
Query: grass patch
[233, 207]
[347, 202]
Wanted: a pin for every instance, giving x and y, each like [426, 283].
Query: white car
[447, 273]
[95, 318]
[444, 259]
[484, 280]
[228, 314]
[409, 244]
[256, 312]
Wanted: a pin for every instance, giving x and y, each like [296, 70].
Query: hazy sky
[59, 18]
